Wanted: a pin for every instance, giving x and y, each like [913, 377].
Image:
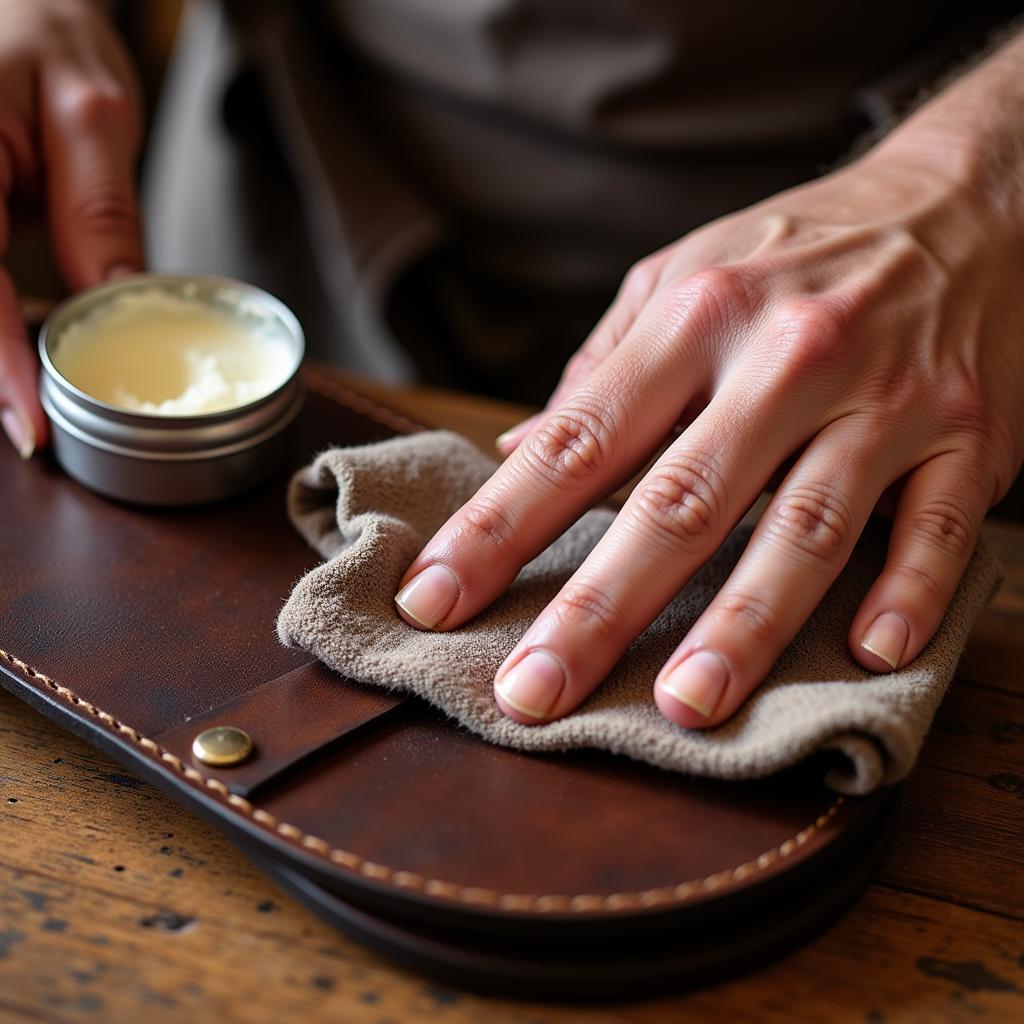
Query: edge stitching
[474, 895]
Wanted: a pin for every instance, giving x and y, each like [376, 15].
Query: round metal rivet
[222, 745]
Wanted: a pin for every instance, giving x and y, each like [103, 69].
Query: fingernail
[534, 685]
[502, 441]
[19, 432]
[887, 638]
[121, 270]
[698, 682]
[515, 434]
[429, 596]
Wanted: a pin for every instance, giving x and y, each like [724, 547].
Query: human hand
[70, 129]
[868, 326]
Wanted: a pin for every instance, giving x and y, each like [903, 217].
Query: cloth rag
[369, 511]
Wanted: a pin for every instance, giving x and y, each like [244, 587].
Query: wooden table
[163, 920]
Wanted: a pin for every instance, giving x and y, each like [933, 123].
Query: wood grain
[989, 658]
[961, 835]
[118, 906]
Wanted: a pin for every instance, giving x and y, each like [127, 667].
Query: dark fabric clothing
[474, 177]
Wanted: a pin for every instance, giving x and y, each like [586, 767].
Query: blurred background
[468, 320]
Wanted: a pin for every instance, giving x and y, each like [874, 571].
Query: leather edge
[318, 379]
[689, 891]
[168, 766]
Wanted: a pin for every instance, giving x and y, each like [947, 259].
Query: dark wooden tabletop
[118, 906]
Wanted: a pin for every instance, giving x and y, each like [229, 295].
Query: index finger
[577, 454]
[90, 135]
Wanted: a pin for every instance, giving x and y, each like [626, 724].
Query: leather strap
[290, 719]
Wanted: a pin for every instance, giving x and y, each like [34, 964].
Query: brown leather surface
[288, 719]
[525, 823]
[159, 615]
[142, 623]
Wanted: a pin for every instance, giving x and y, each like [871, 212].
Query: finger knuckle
[944, 527]
[94, 106]
[921, 577]
[749, 613]
[963, 403]
[641, 279]
[682, 499]
[573, 443]
[812, 334]
[580, 365]
[584, 608]
[716, 297]
[106, 210]
[814, 521]
[487, 525]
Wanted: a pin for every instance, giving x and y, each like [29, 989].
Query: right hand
[70, 127]
[861, 334]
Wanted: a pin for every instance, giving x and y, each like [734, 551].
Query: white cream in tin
[166, 354]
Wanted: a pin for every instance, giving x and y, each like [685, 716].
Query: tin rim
[63, 309]
[199, 454]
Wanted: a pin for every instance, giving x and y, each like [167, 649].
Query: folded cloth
[370, 510]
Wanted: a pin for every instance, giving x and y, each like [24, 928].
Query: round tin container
[152, 459]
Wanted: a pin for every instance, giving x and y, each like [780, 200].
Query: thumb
[90, 134]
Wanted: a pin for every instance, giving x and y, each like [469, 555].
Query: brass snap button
[222, 745]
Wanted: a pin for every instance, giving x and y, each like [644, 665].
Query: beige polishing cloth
[370, 510]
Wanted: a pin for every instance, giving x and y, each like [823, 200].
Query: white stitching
[432, 886]
[581, 903]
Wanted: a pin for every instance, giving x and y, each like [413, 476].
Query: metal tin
[170, 460]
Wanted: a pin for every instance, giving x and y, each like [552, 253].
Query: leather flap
[289, 718]
[137, 628]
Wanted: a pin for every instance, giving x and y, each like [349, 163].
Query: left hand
[869, 326]
[70, 128]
